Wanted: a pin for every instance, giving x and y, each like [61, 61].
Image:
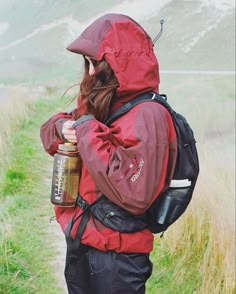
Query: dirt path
[56, 238]
[58, 262]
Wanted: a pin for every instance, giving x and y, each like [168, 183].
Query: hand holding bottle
[68, 132]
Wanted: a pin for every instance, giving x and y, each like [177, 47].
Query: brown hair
[97, 91]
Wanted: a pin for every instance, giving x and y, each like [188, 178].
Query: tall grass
[24, 209]
[14, 107]
[197, 254]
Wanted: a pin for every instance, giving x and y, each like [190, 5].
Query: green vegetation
[25, 210]
[188, 254]
[197, 255]
[194, 257]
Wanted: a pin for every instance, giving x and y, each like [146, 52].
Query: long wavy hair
[97, 92]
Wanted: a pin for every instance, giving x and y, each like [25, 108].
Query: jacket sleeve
[51, 131]
[131, 168]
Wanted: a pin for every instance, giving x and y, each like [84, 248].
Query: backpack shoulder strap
[146, 97]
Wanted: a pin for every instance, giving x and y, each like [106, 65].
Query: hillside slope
[198, 35]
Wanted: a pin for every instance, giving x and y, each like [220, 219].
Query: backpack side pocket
[173, 204]
[168, 207]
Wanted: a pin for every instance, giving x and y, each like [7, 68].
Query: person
[130, 162]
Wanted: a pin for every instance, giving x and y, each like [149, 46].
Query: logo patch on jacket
[137, 174]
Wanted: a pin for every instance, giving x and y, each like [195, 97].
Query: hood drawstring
[160, 33]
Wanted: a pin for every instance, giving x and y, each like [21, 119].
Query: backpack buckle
[153, 96]
[81, 202]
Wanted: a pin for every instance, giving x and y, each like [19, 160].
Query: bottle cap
[67, 147]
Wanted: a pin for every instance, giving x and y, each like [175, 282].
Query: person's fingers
[71, 137]
[68, 132]
[68, 124]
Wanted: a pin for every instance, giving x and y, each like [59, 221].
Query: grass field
[197, 255]
[25, 251]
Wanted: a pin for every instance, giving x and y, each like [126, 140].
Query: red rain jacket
[132, 161]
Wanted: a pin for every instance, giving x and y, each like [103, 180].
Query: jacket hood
[128, 49]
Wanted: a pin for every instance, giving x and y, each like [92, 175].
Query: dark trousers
[91, 271]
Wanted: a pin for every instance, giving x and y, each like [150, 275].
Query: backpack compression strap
[147, 97]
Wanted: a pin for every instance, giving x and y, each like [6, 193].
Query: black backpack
[170, 204]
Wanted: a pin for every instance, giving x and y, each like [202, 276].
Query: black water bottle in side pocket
[169, 205]
[174, 201]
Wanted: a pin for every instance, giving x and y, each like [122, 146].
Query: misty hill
[198, 35]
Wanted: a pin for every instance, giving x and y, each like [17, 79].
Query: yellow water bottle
[66, 175]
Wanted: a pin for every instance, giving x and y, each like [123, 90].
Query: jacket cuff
[83, 119]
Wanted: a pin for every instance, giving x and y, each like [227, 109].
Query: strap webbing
[85, 206]
[74, 244]
[146, 97]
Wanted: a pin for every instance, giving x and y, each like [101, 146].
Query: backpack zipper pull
[110, 214]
